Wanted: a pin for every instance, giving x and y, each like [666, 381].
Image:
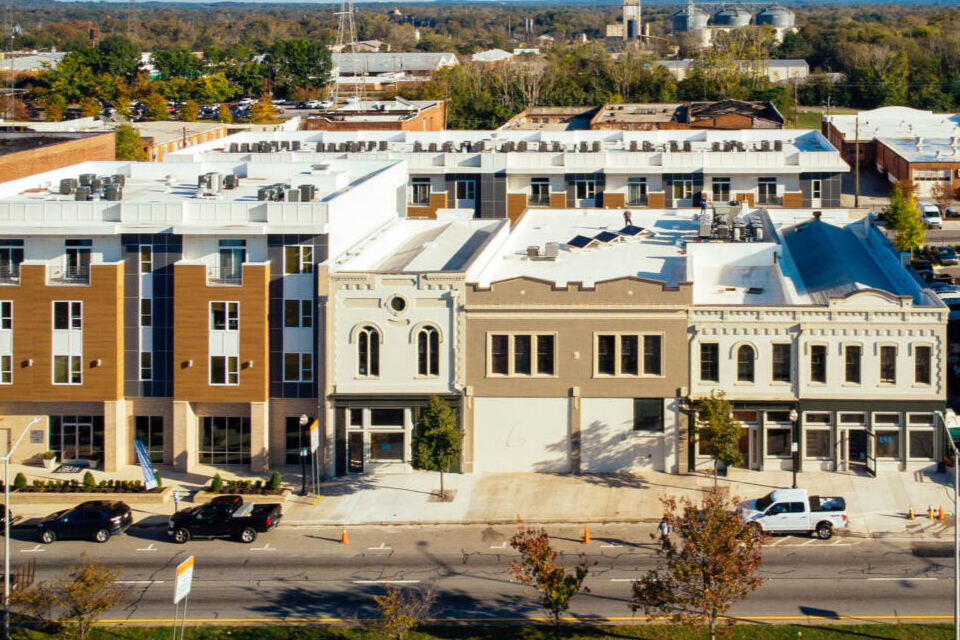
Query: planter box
[58, 498]
[204, 497]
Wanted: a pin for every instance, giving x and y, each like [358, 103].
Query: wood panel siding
[656, 200]
[102, 322]
[746, 197]
[613, 200]
[191, 327]
[558, 200]
[438, 200]
[516, 205]
[793, 200]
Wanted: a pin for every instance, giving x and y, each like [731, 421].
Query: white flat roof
[922, 149]
[895, 122]
[654, 254]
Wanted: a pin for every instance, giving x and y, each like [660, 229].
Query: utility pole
[856, 155]
[796, 122]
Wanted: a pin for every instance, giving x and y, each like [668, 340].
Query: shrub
[89, 484]
[275, 481]
[38, 484]
[216, 485]
[48, 455]
[159, 479]
[20, 482]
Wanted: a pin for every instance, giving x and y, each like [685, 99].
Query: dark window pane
[422, 354]
[651, 356]
[434, 369]
[922, 365]
[818, 363]
[374, 353]
[888, 443]
[781, 363]
[921, 444]
[291, 313]
[628, 355]
[498, 354]
[888, 365]
[709, 362]
[778, 442]
[521, 355]
[386, 417]
[606, 355]
[363, 353]
[545, 355]
[745, 362]
[647, 414]
[852, 362]
[386, 446]
[818, 443]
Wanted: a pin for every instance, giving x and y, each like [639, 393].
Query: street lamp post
[6, 530]
[794, 444]
[956, 530]
[303, 456]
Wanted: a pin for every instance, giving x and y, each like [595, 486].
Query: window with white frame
[224, 316]
[428, 352]
[922, 370]
[721, 190]
[627, 355]
[146, 312]
[298, 314]
[368, 352]
[852, 355]
[682, 189]
[6, 369]
[6, 314]
[521, 354]
[298, 367]
[67, 369]
[420, 192]
[888, 365]
[67, 315]
[816, 443]
[539, 192]
[298, 258]
[637, 191]
[746, 359]
[146, 365]
[146, 258]
[224, 370]
[920, 444]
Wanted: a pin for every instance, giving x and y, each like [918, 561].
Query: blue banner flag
[149, 477]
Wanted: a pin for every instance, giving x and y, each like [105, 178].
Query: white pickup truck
[795, 511]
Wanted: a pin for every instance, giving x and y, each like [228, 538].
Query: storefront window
[745, 416]
[224, 440]
[888, 443]
[778, 442]
[921, 444]
[886, 418]
[386, 417]
[386, 447]
[851, 418]
[816, 418]
[817, 443]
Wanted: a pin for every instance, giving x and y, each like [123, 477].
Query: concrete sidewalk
[877, 507]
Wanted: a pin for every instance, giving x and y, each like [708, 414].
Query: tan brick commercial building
[382, 115]
[27, 153]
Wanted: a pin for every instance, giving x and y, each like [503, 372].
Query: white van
[930, 214]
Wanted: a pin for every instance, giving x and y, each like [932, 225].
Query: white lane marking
[139, 581]
[908, 579]
[503, 545]
[386, 581]
[36, 549]
[773, 544]
[624, 579]
[609, 546]
[810, 541]
[842, 544]
[150, 547]
[265, 547]
[383, 547]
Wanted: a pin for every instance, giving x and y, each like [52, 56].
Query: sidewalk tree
[903, 218]
[538, 567]
[437, 440]
[718, 432]
[88, 590]
[400, 610]
[128, 145]
[709, 562]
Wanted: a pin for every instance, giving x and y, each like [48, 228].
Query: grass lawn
[640, 632]
[805, 119]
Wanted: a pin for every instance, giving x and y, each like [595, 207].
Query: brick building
[381, 115]
[27, 153]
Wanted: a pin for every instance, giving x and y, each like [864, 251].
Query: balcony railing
[9, 275]
[230, 277]
[68, 274]
[775, 201]
[542, 200]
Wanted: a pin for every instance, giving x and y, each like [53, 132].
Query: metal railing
[542, 200]
[9, 275]
[770, 200]
[69, 274]
[232, 276]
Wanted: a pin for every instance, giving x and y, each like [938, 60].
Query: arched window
[428, 352]
[368, 352]
[745, 361]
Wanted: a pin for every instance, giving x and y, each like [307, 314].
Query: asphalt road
[306, 574]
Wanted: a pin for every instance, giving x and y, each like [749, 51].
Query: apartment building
[576, 340]
[175, 304]
[820, 337]
[496, 174]
[395, 336]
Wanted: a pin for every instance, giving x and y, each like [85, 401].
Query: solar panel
[606, 237]
[630, 230]
[579, 242]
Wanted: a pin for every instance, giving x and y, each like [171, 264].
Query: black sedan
[96, 520]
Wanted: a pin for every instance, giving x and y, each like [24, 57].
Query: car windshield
[765, 502]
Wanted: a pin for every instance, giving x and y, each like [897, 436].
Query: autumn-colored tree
[78, 599]
[399, 611]
[89, 108]
[709, 562]
[54, 107]
[903, 217]
[718, 432]
[155, 108]
[943, 194]
[224, 115]
[263, 111]
[538, 567]
[190, 111]
[437, 439]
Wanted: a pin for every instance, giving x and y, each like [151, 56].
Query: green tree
[718, 432]
[538, 567]
[176, 63]
[263, 111]
[155, 108]
[128, 143]
[713, 563]
[437, 440]
[190, 111]
[117, 56]
[903, 217]
[299, 62]
[89, 108]
[54, 106]
[224, 115]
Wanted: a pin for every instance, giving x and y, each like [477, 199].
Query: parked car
[924, 269]
[947, 256]
[941, 288]
[795, 511]
[930, 214]
[943, 277]
[95, 519]
[952, 300]
[224, 517]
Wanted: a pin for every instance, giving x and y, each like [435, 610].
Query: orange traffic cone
[586, 534]
[343, 535]
[911, 515]
[940, 513]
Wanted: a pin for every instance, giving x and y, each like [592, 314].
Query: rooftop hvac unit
[319, 147]
[68, 186]
[234, 147]
[307, 192]
[778, 145]
[264, 147]
[596, 146]
[556, 146]
[112, 192]
[86, 178]
[764, 145]
[295, 145]
[82, 193]
[417, 146]
[264, 193]
[343, 147]
[244, 147]
[96, 184]
[120, 179]
[583, 147]
[321, 167]
[715, 146]
[522, 146]
[291, 195]
[633, 145]
[544, 146]
[231, 181]
[647, 146]
[447, 147]
[383, 145]
[285, 145]
[673, 146]
[687, 146]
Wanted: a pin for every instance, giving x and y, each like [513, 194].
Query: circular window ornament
[397, 305]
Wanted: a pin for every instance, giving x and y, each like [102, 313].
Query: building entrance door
[854, 454]
[355, 452]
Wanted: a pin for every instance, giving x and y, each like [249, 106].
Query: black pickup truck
[224, 517]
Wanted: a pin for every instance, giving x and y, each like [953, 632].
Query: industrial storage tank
[690, 18]
[777, 16]
[732, 17]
